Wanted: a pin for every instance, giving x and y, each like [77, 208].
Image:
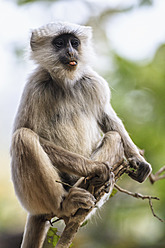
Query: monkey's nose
[70, 52]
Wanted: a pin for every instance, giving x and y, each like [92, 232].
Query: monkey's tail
[35, 231]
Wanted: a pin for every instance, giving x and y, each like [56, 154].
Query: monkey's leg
[35, 231]
[34, 179]
[73, 163]
[110, 150]
[142, 168]
[33, 175]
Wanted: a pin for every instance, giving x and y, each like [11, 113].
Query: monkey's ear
[38, 38]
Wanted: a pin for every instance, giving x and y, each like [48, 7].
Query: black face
[68, 46]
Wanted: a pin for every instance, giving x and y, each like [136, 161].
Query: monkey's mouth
[72, 63]
[69, 63]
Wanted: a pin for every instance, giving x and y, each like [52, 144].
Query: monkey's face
[63, 49]
[67, 46]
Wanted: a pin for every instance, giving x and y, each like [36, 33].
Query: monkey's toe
[78, 198]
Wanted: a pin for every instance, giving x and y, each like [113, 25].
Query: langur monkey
[64, 129]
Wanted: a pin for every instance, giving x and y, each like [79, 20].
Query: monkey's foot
[77, 198]
[140, 169]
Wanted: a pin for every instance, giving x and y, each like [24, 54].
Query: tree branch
[74, 222]
[138, 195]
[156, 177]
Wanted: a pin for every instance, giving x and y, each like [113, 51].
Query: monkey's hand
[140, 168]
[75, 199]
[100, 173]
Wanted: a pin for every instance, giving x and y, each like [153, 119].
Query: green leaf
[52, 236]
[84, 223]
[114, 191]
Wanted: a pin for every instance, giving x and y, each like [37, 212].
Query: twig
[156, 177]
[66, 184]
[150, 203]
[160, 171]
[138, 195]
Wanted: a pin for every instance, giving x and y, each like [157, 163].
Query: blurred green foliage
[145, 2]
[21, 2]
[139, 100]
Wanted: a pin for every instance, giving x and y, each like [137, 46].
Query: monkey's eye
[59, 43]
[75, 43]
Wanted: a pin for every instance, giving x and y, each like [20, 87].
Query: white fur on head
[44, 54]
[58, 28]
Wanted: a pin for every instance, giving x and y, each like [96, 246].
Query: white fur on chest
[81, 135]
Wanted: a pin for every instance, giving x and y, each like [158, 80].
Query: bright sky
[135, 35]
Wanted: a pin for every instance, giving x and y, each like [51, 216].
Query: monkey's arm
[109, 122]
[72, 163]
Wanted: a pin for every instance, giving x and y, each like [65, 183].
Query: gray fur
[58, 128]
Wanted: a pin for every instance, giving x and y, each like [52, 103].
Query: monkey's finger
[97, 181]
[133, 163]
[76, 193]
